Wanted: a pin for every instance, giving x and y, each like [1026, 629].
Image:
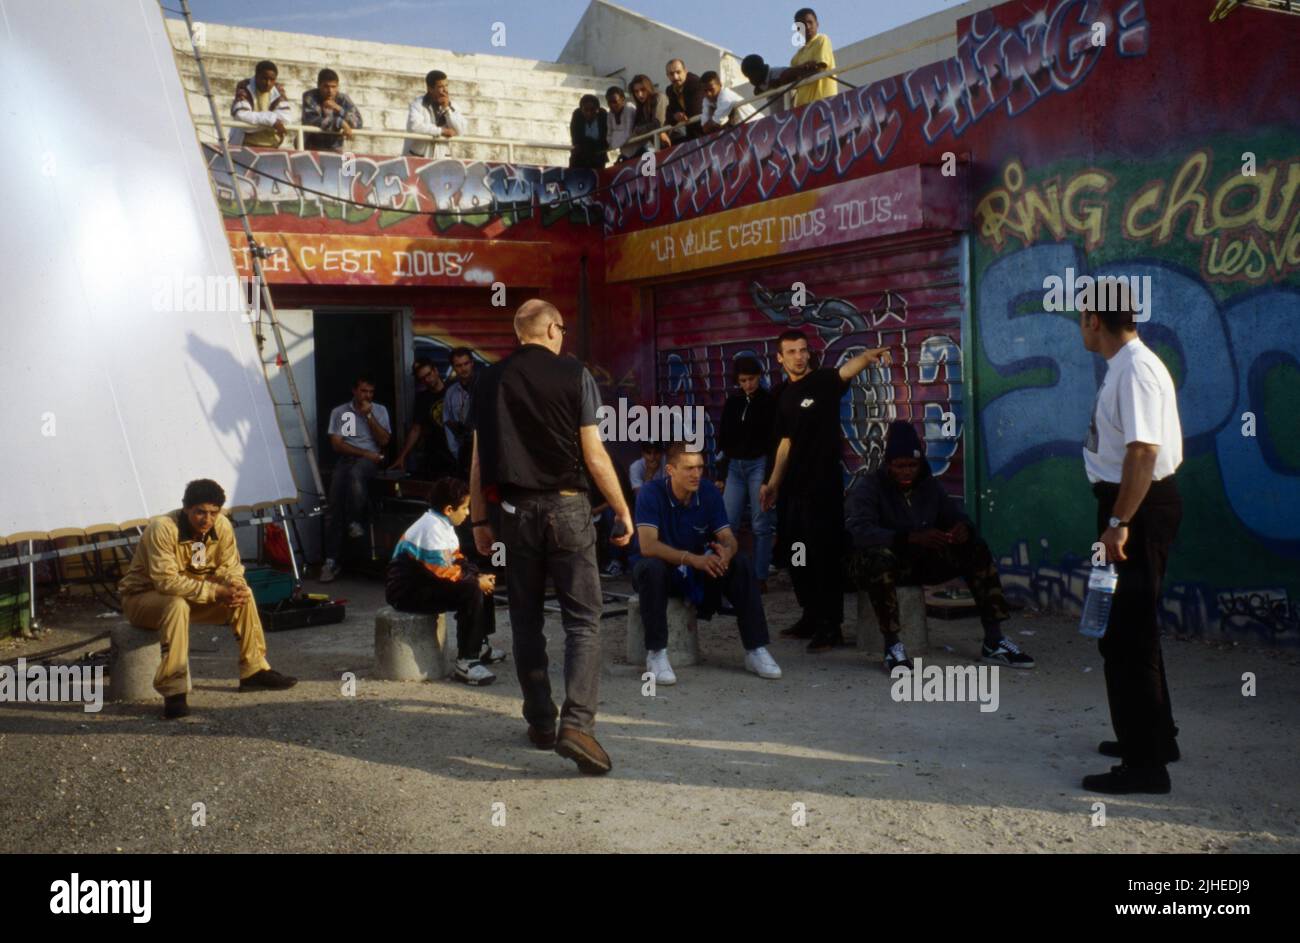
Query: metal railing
[790, 86]
[300, 130]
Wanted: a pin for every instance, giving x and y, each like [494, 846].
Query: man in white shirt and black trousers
[1134, 446]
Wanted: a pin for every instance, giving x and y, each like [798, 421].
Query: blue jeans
[744, 478]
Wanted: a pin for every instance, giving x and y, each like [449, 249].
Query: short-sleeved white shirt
[1136, 403]
[728, 101]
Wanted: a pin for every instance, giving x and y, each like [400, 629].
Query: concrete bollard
[134, 657]
[914, 630]
[683, 633]
[413, 646]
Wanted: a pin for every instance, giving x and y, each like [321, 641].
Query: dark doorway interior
[348, 343]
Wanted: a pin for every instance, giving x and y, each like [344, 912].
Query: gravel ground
[719, 762]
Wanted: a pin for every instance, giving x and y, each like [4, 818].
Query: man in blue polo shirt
[684, 547]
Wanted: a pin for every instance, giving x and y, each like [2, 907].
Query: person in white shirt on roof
[433, 114]
[1134, 446]
[721, 106]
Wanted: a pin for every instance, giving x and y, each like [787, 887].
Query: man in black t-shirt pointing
[808, 470]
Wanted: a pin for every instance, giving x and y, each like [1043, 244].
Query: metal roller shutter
[904, 293]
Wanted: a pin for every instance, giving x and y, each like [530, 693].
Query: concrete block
[134, 657]
[914, 631]
[412, 646]
[683, 633]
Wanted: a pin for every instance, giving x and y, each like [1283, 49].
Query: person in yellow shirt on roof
[186, 569]
[816, 48]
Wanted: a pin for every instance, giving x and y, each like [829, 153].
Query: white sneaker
[657, 664]
[761, 663]
[472, 672]
[328, 572]
[355, 530]
[490, 655]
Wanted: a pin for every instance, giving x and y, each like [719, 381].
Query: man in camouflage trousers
[907, 530]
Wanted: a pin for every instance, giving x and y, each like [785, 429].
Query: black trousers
[551, 534]
[814, 521]
[475, 610]
[1136, 686]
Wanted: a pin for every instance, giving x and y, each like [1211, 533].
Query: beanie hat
[901, 441]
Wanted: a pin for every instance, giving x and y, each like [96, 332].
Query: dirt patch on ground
[723, 761]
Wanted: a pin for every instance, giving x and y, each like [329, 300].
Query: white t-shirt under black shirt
[1136, 403]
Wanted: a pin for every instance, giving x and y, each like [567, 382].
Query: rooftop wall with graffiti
[1171, 149]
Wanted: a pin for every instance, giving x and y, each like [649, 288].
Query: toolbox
[268, 585]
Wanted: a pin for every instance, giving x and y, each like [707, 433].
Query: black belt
[1157, 485]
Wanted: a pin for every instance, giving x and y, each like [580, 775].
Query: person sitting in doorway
[685, 548]
[455, 412]
[427, 437]
[907, 530]
[359, 431]
[186, 569]
[429, 573]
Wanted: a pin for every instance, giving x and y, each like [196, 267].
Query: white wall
[609, 37]
[892, 48]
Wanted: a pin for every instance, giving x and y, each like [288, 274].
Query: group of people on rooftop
[689, 106]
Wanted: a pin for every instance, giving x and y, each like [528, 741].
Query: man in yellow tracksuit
[186, 569]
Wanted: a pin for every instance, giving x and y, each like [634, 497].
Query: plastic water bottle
[1101, 593]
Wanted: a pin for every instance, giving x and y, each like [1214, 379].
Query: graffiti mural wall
[1111, 137]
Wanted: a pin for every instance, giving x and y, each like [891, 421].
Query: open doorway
[348, 343]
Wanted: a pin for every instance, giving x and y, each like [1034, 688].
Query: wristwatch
[1116, 522]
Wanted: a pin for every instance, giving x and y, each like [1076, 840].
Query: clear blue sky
[537, 29]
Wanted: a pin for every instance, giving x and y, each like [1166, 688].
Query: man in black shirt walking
[535, 444]
[808, 468]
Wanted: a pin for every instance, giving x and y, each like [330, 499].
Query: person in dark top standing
[588, 131]
[907, 530]
[748, 418]
[808, 468]
[685, 100]
[435, 459]
[536, 442]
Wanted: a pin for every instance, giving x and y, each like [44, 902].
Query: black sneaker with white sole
[1006, 653]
